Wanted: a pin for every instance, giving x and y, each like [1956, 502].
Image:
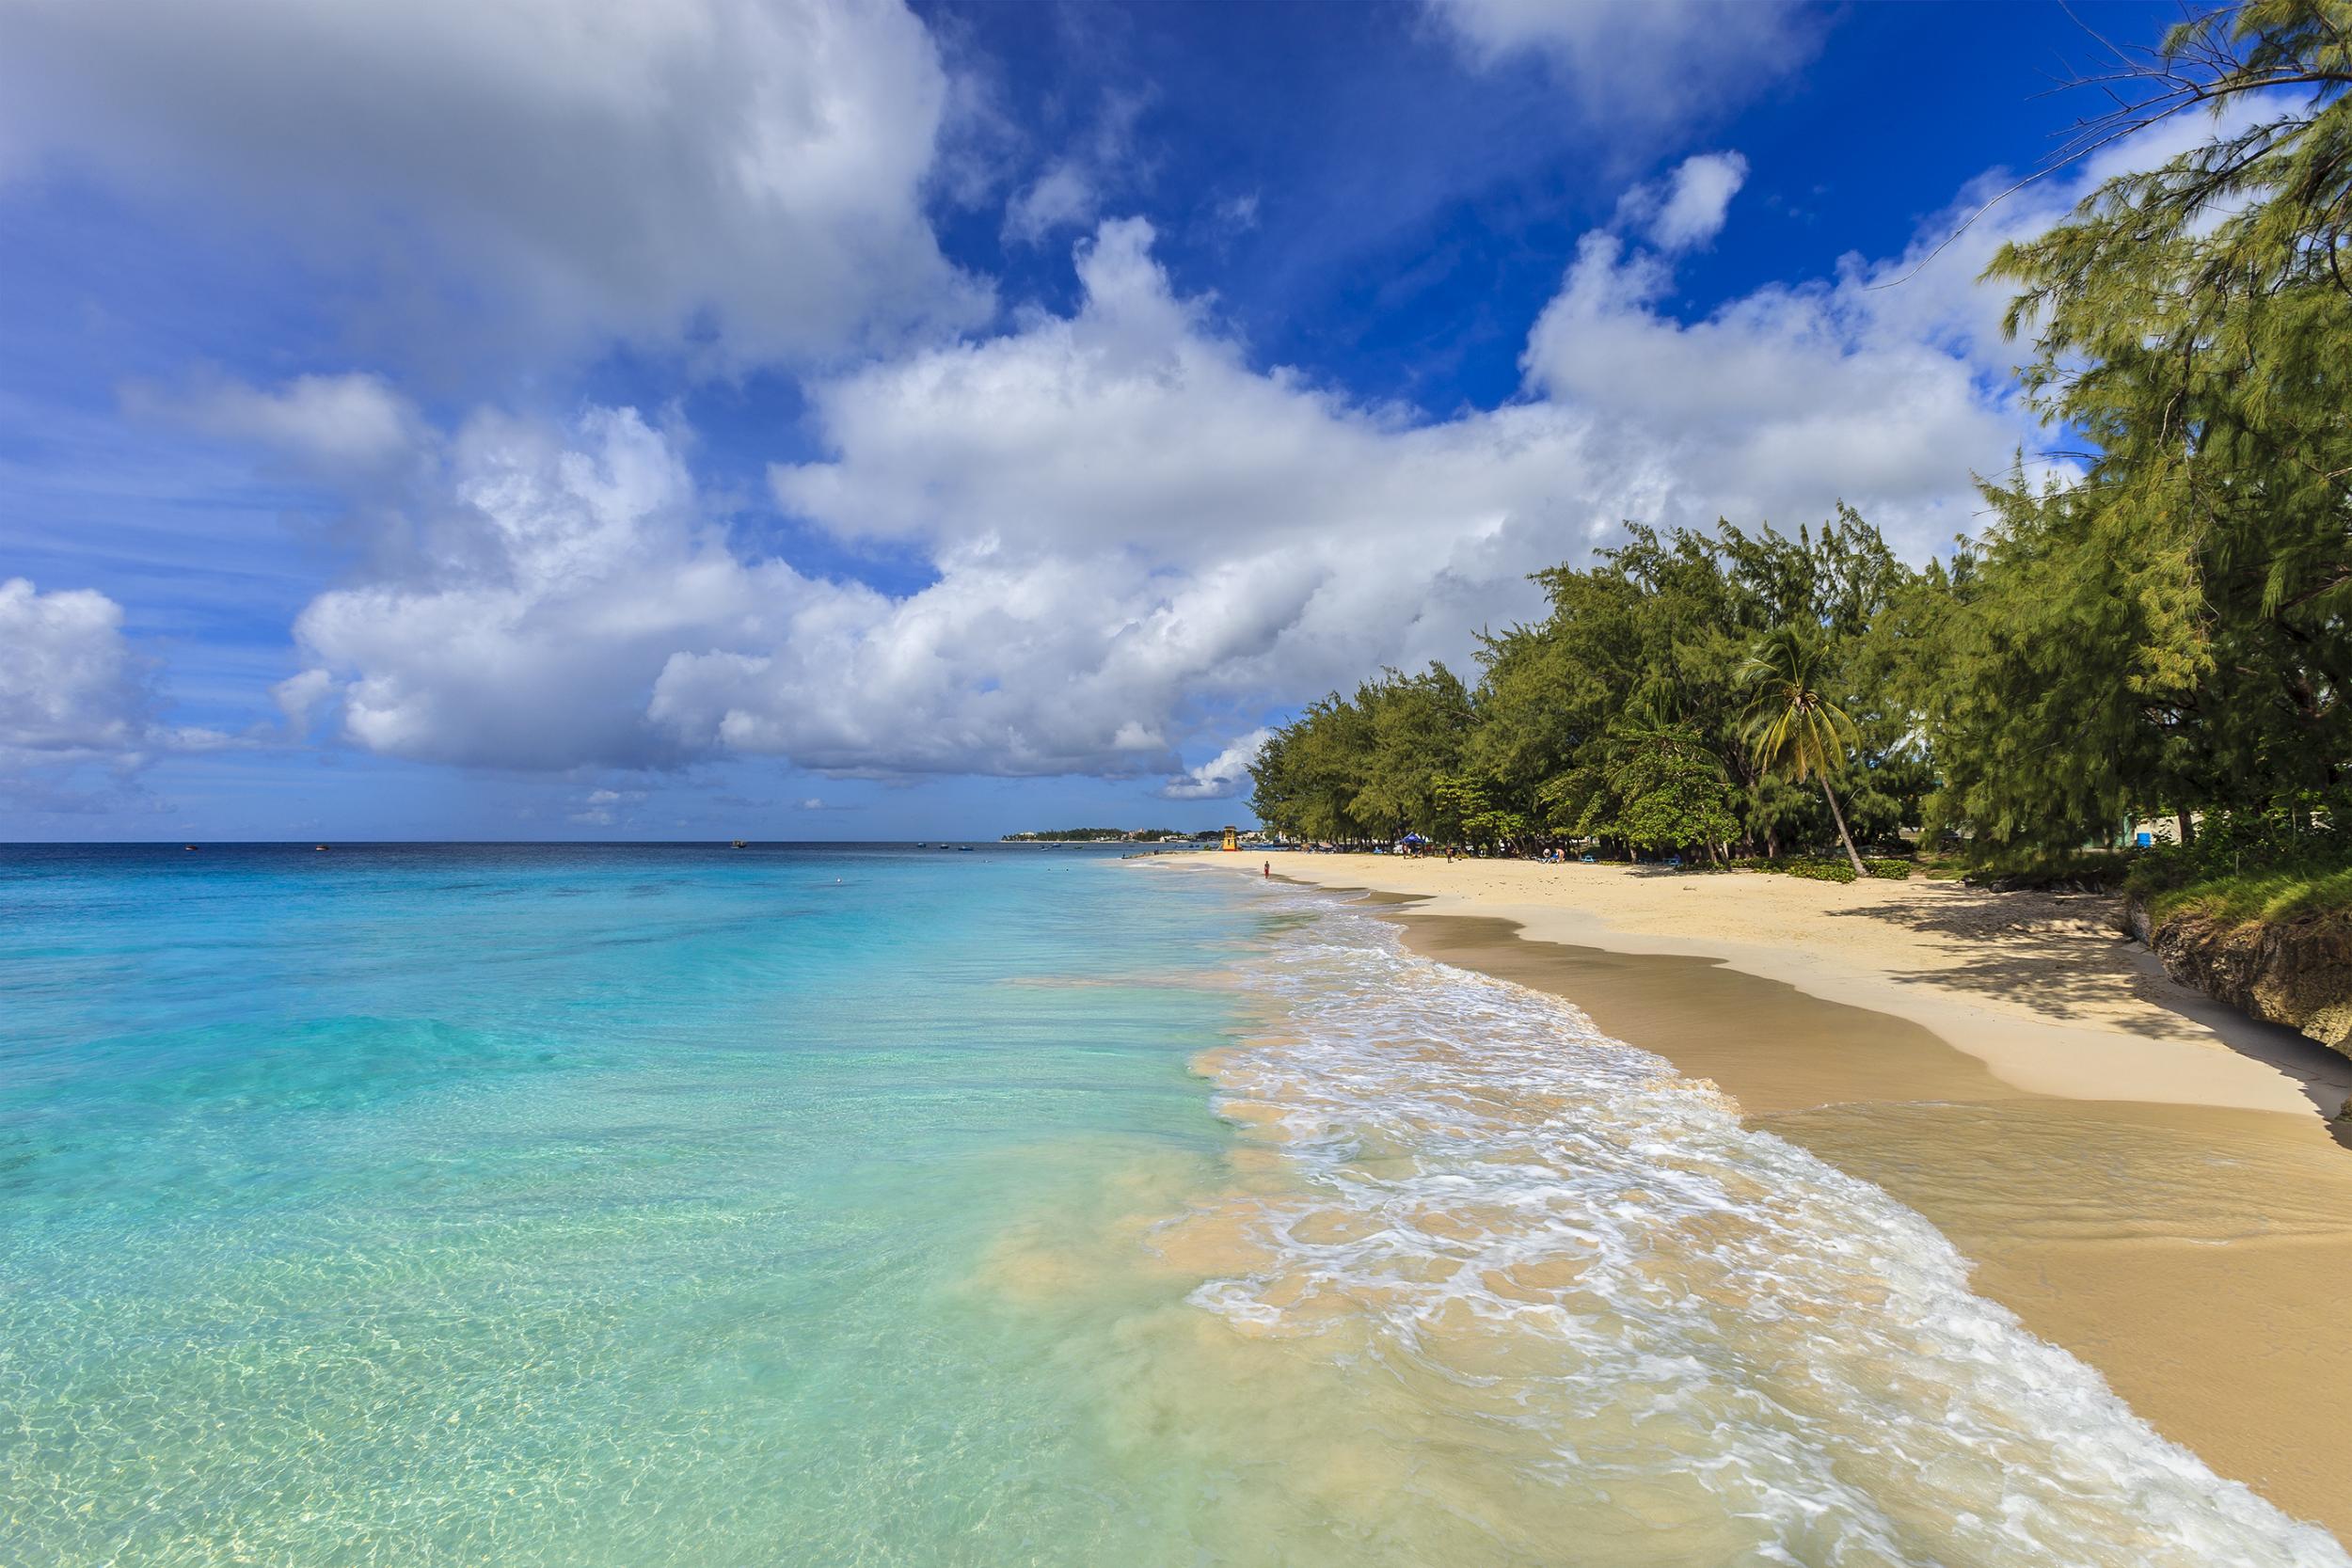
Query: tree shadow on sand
[2056, 954]
[2061, 956]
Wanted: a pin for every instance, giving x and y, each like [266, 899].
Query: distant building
[2161, 830]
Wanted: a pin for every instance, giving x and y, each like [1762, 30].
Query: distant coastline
[1114, 835]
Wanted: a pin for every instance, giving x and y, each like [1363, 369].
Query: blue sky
[523, 420]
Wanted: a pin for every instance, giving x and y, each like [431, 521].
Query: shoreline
[2142, 1176]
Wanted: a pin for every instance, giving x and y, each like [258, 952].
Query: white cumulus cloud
[70, 686]
[1061, 197]
[1223, 775]
[541, 597]
[1689, 209]
[1142, 544]
[72, 689]
[744, 171]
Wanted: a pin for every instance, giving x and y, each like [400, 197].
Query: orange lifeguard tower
[1232, 837]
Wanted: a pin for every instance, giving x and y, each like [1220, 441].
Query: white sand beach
[2146, 1176]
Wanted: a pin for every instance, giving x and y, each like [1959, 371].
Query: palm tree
[1793, 727]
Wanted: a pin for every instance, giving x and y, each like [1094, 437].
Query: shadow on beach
[2050, 952]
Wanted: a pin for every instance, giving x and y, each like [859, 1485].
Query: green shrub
[1826, 870]
[2050, 871]
[2278, 896]
[1816, 870]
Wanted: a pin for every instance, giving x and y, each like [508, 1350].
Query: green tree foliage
[1661, 625]
[1567, 732]
[1367, 766]
[1416, 725]
[1662, 788]
[2171, 633]
[1467, 813]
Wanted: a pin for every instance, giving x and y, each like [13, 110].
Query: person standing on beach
[1268, 871]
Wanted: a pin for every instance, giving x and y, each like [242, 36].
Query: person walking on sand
[1268, 871]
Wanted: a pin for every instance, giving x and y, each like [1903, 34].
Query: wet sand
[2164, 1203]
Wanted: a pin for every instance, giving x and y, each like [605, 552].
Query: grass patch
[2290, 862]
[2276, 896]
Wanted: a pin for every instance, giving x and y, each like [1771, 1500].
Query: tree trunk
[2188, 828]
[1843, 837]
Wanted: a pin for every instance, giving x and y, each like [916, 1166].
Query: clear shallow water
[683, 1206]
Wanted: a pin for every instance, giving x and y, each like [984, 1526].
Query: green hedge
[1828, 870]
[1819, 871]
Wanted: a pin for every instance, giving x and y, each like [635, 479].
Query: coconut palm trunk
[1844, 837]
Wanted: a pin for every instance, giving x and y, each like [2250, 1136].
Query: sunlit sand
[2164, 1201]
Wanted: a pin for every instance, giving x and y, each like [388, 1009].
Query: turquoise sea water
[670, 1205]
[564, 1205]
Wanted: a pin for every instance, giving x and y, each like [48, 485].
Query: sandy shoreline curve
[2144, 1176]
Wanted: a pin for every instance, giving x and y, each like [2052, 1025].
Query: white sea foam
[1699, 1337]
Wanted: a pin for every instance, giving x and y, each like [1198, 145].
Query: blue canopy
[1414, 838]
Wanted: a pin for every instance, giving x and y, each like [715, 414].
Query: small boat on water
[318, 848]
[187, 847]
[963, 848]
[741, 844]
